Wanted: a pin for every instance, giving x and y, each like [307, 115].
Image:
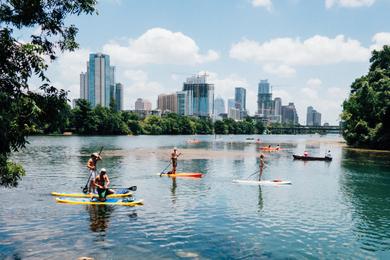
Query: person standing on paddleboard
[174, 156]
[102, 182]
[261, 165]
[91, 165]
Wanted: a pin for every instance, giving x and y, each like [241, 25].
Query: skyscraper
[264, 99]
[277, 110]
[240, 98]
[143, 104]
[167, 103]
[289, 114]
[83, 86]
[219, 106]
[118, 97]
[182, 103]
[313, 118]
[200, 96]
[231, 103]
[98, 71]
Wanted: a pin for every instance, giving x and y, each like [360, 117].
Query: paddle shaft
[169, 165]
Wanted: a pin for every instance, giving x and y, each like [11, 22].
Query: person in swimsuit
[174, 156]
[91, 165]
[261, 165]
[102, 182]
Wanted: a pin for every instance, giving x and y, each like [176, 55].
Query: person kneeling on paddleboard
[102, 182]
[91, 165]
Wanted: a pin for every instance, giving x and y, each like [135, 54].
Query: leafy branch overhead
[21, 110]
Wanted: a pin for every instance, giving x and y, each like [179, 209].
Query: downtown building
[289, 114]
[98, 85]
[143, 104]
[240, 101]
[270, 111]
[313, 118]
[200, 96]
[167, 103]
[219, 106]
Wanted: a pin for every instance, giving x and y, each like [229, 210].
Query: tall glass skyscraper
[219, 106]
[200, 96]
[118, 97]
[240, 98]
[182, 103]
[99, 79]
[264, 99]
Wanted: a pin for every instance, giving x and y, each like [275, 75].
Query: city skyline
[309, 50]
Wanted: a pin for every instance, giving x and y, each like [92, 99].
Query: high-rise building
[83, 86]
[277, 110]
[240, 98]
[118, 97]
[200, 96]
[231, 103]
[234, 113]
[313, 118]
[99, 79]
[289, 114]
[264, 99]
[219, 106]
[167, 103]
[147, 105]
[98, 84]
[143, 104]
[182, 103]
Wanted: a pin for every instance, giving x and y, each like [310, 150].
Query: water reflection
[364, 184]
[260, 202]
[99, 216]
[173, 190]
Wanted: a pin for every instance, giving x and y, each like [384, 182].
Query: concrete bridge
[305, 130]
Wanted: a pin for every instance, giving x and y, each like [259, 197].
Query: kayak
[264, 182]
[120, 193]
[311, 158]
[270, 149]
[183, 174]
[109, 201]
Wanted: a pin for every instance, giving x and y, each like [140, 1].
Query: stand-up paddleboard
[264, 182]
[120, 193]
[183, 174]
[109, 201]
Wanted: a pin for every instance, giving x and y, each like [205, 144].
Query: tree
[220, 128]
[366, 113]
[84, 119]
[20, 109]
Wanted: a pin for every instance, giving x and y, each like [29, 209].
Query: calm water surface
[336, 210]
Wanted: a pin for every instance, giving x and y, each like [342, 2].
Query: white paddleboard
[264, 182]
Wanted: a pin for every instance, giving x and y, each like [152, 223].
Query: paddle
[132, 188]
[252, 174]
[85, 189]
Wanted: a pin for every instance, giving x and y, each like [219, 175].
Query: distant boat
[311, 158]
[193, 141]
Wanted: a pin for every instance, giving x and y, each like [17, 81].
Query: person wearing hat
[101, 182]
[91, 165]
[174, 156]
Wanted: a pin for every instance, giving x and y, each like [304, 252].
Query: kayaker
[261, 165]
[102, 182]
[277, 147]
[305, 153]
[91, 165]
[174, 156]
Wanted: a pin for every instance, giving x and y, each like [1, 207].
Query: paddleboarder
[262, 165]
[174, 156]
[102, 182]
[91, 165]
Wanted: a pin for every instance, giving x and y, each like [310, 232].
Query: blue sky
[309, 50]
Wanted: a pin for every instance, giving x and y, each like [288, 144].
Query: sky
[309, 50]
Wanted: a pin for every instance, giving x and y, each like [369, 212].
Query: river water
[332, 210]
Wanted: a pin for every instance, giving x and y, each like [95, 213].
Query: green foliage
[366, 113]
[84, 119]
[23, 112]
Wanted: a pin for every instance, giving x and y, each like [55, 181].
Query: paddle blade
[133, 188]
[85, 189]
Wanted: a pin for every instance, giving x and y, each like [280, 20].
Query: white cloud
[313, 83]
[316, 50]
[159, 46]
[262, 3]
[348, 3]
[279, 70]
[380, 39]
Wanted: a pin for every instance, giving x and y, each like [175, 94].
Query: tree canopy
[23, 111]
[366, 113]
